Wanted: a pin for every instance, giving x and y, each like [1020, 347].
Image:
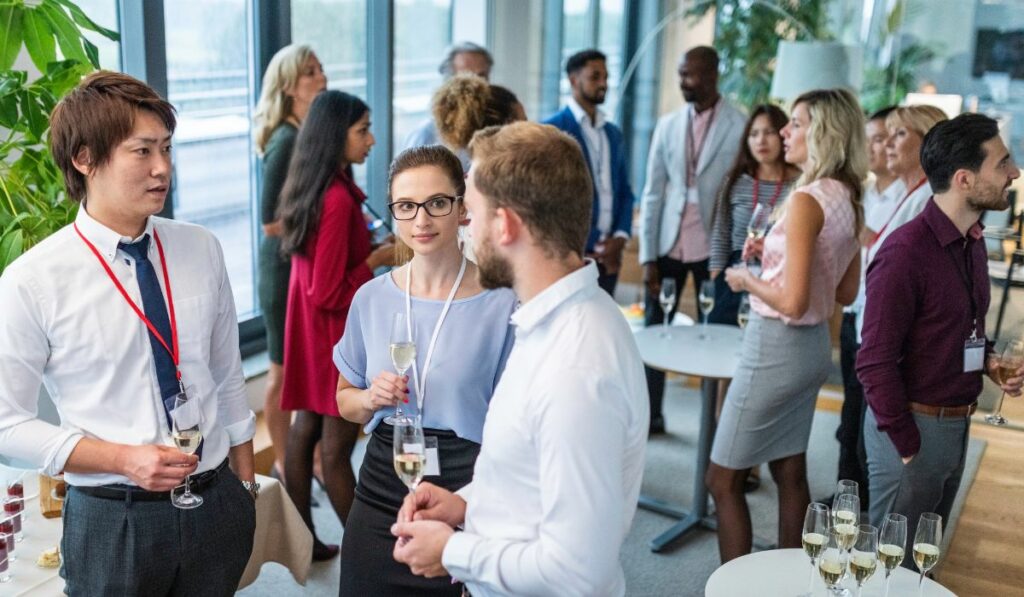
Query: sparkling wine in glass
[817, 525]
[1008, 362]
[707, 303]
[410, 451]
[186, 431]
[926, 545]
[743, 313]
[402, 349]
[757, 228]
[667, 300]
[864, 555]
[832, 565]
[892, 544]
[845, 518]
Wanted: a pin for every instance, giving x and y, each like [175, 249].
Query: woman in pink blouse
[810, 263]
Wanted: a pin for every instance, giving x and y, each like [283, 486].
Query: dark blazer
[622, 194]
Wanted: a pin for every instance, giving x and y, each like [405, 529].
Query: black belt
[131, 493]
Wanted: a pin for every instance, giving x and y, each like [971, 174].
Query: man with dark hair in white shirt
[556, 484]
[118, 315]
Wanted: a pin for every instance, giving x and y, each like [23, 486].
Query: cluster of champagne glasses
[10, 524]
[1007, 363]
[410, 457]
[838, 546]
[667, 300]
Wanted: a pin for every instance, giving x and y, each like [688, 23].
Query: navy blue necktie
[155, 307]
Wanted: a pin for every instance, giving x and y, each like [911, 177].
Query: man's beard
[987, 197]
[595, 98]
[494, 271]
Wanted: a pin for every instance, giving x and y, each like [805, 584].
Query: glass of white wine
[864, 556]
[832, 565]
[892, 545]
[402, 350]
[186, 431]
[707, 303]
[667, 300]
[926, 545]
[845, 518]
[1009, 361]
[817, 525]
[410, 451]
[757, 228]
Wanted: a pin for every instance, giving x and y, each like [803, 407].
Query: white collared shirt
[556, 484]
[66, 325]
[878, 208]
[599, 150]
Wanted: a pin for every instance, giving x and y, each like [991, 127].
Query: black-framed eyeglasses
[436, 207]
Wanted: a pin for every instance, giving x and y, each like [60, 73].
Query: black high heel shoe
[323, 551]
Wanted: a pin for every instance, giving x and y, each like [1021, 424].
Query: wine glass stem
[188, 489]
[999, 406]
[920, 585]
[665, 321]
[810, 577]
[887, 578]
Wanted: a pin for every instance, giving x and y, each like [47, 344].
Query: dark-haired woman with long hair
[463, 338]
[760, 176]
[329, 244]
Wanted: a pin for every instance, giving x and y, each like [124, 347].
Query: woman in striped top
[760, 176]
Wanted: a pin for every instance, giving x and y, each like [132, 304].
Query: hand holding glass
[186, 430]
[410, 451]
[402, 350]
[1007, 364]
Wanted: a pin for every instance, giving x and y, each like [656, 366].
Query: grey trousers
[114, 547]
[928, 484]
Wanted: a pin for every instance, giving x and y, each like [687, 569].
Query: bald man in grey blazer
[692, 151]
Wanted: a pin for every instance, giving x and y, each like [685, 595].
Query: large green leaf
[85, 22]
[92, 52]
[69, 38]
[11, 17]
[39, 39]
[11, 247]
[8, 110]
[35, 119]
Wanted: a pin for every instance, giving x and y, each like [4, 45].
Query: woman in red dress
[329, 243]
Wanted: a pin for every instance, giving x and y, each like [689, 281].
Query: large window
[208, 66]
[594, 24]
[423, 29]
[611, 33]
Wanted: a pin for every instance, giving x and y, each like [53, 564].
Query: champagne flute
[1008, 362]
[402, 349]
[743, 313]
[845, 517]
[707, 303]
[832, 565]
[186, 431]
[926, 545]
[817, 525]
[891, 545]
[757, 228]
[667, 299]
[864, 556]
[410, 451]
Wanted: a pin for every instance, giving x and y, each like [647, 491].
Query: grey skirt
[768, 410]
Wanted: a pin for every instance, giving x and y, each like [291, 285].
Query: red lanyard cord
[775, 195]
[919, 184]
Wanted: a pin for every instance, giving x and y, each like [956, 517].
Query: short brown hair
[538, 172]
[98, 115]
[439, 157]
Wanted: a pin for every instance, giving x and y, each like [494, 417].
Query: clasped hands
[427, 519]
[737, 277]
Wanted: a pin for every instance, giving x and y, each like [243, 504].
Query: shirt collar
[105, 239]
[581, 115]
[706, 113]
[532, 313]
[944, 229]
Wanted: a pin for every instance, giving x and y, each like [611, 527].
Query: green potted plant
[32, 197]
[887, 83]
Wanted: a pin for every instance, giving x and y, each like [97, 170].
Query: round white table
[784, 572]
[713, 358]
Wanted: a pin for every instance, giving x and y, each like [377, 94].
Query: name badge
[692, 195]
[433, 464]
[974, 355]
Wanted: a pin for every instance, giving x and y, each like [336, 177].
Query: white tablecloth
[280, 537]
[784, 572]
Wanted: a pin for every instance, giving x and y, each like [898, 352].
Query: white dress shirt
[66, 325]
[556, 484]
[878, 208]
[599, 150]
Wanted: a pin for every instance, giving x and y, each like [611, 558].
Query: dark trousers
[678, 271]
[853, 460]
[727, 302]
[117, 547]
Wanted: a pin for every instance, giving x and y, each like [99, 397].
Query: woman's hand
[737, 277]
[386, 390]
[753, 248]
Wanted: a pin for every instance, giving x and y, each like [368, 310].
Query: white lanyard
[421, 382]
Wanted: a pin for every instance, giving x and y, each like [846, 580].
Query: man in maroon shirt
[924, 349]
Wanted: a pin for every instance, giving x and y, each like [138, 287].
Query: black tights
[337, 438]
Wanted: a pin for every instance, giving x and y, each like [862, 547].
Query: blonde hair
[275, 106]
[836, 143]
[919, 119]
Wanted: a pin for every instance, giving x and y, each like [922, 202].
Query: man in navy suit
[611, 222]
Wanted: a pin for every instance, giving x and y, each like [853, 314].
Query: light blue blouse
[470, 355]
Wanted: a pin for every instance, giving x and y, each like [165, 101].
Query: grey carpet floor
[684, 569]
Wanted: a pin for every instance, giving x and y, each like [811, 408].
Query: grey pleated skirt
[768, 410]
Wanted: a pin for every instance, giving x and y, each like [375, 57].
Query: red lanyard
[919, 184]
[775, 195]
[173, 348]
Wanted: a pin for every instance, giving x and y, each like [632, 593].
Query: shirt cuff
[621, 234]
[55, 466]
[242, 431]
[457, 555]
[905, 435]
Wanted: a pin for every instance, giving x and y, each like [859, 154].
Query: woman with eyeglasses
[465, 330]
[326, 236]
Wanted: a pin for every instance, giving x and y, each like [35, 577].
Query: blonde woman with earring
[292, 79]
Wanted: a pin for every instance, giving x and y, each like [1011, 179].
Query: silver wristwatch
[253, 488]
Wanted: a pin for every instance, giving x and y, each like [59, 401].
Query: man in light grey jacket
[692, 151]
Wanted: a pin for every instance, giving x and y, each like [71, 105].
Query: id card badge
[433, 468]
[974, 355]
[692, 195]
